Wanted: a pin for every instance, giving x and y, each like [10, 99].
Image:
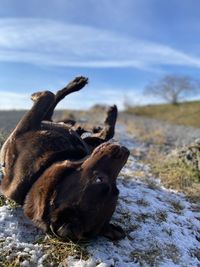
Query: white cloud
[11, 100]
[47, 42]
[81, 100]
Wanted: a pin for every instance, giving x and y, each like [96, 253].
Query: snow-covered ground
[162, 227]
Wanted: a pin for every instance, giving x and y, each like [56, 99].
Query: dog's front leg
[74, 86]
[32, 119]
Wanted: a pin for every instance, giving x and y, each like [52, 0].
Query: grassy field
[186, 113]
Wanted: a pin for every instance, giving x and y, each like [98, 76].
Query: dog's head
[87, 199]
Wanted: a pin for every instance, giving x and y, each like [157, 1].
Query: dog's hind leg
[107, 132]
[74, 86]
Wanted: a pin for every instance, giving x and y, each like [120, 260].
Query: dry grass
[142, 217]
[142, 202]
[153, 255]
[57, 251]
[173, 172]
[149, 257]
[186, 113]
[177, 206]
[15, 262]
[160, 216]
[176, 174]
[195, 253]
[144, 134]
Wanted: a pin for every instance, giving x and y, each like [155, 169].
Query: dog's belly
[46, 141]
[32, 154]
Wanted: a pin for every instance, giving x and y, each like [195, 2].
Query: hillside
[186, 113]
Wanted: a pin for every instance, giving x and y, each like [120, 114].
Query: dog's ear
[65, 223]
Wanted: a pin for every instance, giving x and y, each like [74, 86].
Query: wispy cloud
[10, 100]
[47, 42]
[82, 100]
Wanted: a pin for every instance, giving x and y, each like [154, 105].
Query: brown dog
[66, 184]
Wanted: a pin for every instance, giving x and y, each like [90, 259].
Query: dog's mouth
[112, 150]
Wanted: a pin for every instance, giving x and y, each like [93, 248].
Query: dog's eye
[98, 179]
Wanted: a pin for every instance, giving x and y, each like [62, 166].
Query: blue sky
[120, 45]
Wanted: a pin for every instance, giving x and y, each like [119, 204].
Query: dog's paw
[113, 232]
[38, 95]
[78, 83]
[97, 129]
[80, 80]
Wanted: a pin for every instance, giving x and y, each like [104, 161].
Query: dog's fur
[66, 184]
